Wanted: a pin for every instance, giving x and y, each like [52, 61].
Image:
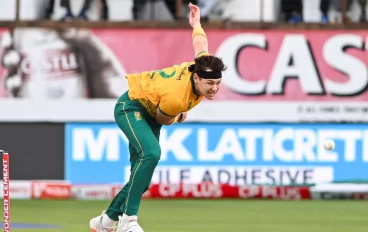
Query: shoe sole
[90, 225]
[94, 230]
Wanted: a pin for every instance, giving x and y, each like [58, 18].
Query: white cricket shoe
[96, 224]
[128, 224]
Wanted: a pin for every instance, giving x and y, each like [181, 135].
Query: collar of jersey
[193, 86]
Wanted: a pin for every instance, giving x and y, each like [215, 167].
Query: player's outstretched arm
[200, 43]
[164, 119]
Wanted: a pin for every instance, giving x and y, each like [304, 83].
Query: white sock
[106, 221]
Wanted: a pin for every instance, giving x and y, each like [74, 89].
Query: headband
[209, 74]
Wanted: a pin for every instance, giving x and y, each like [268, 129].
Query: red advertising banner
[39, 189]
[272, 75]
[262, 65]
[51, 190]
[210, 190]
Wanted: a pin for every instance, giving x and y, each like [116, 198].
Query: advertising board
[235, 154]
[272, 76]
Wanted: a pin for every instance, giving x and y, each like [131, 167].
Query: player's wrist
[198, 31]
[176, 119]
[196, 25]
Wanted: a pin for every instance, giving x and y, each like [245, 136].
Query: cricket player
[157, 98]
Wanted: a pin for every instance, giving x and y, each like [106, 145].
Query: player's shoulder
[184, 73]
[177, 67]
[203, 53]
[186, 64]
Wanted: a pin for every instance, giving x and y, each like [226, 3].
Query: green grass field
[205, 215]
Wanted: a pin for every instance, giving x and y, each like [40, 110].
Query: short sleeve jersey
[170, 89]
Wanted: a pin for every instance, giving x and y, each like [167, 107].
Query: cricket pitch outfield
[202, 215]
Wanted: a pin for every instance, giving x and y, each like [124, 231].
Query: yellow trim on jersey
[140, 161]
[202, 53]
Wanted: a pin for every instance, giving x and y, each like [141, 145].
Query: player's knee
[153, 154]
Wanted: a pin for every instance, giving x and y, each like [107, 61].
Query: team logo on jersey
[137, 116]
[190, 105]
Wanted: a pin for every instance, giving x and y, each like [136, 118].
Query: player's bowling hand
[194, 15]
[182, 117]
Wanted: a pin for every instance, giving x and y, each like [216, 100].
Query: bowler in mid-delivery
[156, 98]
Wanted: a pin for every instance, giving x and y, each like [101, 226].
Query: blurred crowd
[331, 11]
[292, 11]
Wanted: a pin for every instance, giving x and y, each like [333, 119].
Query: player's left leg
[129, 116]
[156, 129]
[114, 210]
[106, 221]
[132, 119]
